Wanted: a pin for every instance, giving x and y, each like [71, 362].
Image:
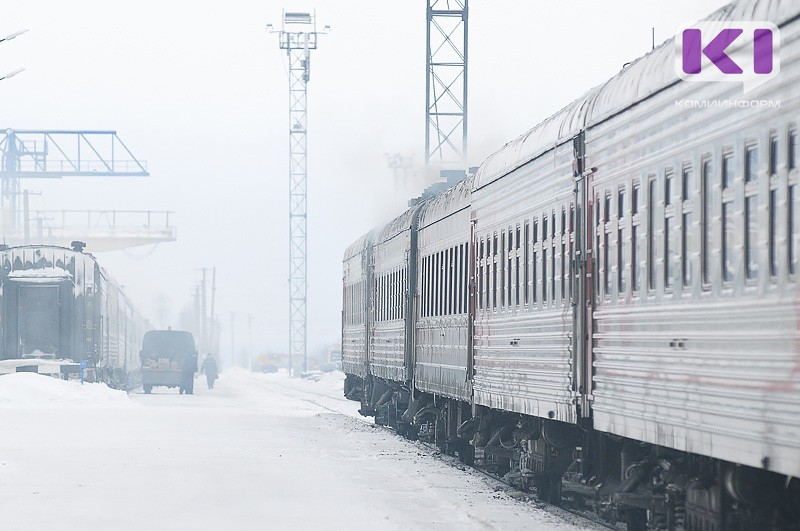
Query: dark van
[164, 354]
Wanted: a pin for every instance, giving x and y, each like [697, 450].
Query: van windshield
[171, 344]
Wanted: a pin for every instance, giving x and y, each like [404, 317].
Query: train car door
[38, 322]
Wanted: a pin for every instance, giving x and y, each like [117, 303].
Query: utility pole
[233, 357]
[298, 36]
[446, 83]
[214, 337]
[250, 341]
[204, 323]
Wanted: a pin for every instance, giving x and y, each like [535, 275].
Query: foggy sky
[199, 91]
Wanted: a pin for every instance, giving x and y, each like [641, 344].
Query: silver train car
[59, 303]
[607, 310]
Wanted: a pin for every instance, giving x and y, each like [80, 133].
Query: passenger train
[59, 303]
[607, 310]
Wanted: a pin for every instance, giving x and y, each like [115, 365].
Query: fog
[199, 91]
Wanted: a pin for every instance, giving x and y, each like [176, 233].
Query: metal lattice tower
[298, 36]
[446, 90]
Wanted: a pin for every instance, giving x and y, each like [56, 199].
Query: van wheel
[147, 389]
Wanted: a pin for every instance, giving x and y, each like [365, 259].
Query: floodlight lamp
[297, 18]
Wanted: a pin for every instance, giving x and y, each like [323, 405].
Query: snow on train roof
[358, 246]
[639, 80]
[41, 273]
[397, 225]
[451, 200]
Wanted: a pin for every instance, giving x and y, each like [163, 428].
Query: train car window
[635, 222]
[423, 287]
[791, 161]
[503, 268]
[553, 256]
[606, 242]
[727, 224]
[773, 155]
[464, 284]
[705, 200]
[571, 238]
[751, 164]
[621, 247]
[687, 184]
[451, 284]
[563, 277]
[526, 256]
[667, 258]
[494, 274]
[651, 206]
[509, 264]
[727, 218]
[667, 189]
[488, 271]
[727, 169]
[751, 236]
[668, 224]
[534, 260]
[790, 230]
[544, 258]
[518, 258]
[773, 252]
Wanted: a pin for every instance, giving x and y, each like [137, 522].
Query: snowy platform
[256, 452]
[40, 366]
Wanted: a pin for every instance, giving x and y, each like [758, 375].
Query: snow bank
[26, 389]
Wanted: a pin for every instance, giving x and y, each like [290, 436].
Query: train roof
[358, 246]
[641, 79]
[447, 202]
[398, 225]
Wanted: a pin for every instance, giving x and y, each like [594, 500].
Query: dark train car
[59, 303]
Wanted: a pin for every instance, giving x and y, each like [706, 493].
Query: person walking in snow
[210, 370]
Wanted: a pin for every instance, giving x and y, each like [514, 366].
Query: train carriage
[393, 251]
[695, 226]
[442, 360]
[631, 323]
[59, 303]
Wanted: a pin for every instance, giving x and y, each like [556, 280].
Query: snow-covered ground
[257, 452]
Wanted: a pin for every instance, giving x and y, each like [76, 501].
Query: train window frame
[651, 240]
[750, 240]
[774, 151]
[509, 266]
[502, 259]
[526, 232]
[750, 161]
[621, 251]
[636, 223]
[494, 274]
[606, 231]
[706, 196]
[553, 256]
[517, 257]
[563, 273]
[687, 218]
[726, 229]
[791, 195]
[534, 261]
[544, 260]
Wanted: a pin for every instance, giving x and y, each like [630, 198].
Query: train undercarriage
[619, 480]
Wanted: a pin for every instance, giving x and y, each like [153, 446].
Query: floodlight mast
[298, 36]
[446, 83]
